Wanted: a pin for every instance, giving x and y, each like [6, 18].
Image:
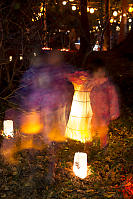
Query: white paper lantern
[80, 164]
[8, 128]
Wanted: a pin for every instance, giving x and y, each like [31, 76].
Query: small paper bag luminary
[80, 164]
[8, 128]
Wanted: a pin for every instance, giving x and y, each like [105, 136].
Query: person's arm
[114, 103]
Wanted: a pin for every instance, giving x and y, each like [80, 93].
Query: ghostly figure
[43, 96]
[104, 103]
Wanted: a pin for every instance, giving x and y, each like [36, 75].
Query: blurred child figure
[104, 104]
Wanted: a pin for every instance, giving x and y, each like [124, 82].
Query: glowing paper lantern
[8, 128]
[80, 164]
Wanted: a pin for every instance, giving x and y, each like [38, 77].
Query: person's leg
[52, 162]
[95, 135]
[103, 136]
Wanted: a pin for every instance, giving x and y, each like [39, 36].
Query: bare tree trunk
[44, 24]
[123, 26]
[85, 34]
[107, 28]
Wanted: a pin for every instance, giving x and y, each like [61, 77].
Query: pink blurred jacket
[104, 103]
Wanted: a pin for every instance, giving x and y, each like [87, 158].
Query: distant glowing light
[130, 20]
[115, 13]
[114, 21]
[130, 9]
[96, 47]
[71, 0]
[80, 165]
[111, 20]
[64, 3]
[74, 8]
[130, 27]
[42, 8]
[92, 10]
[35, 54]
[64, 50]
[124, 15]
[120, 18]
[39, 14]
[21, 57]
[46, 48]
[10, 58]
[88, 9]
[8, 128]
[117, 28]
[33, 20]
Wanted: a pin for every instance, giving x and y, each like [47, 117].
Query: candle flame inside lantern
[80, 164]
[8, 128]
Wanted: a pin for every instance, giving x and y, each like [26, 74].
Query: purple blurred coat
[104, 103]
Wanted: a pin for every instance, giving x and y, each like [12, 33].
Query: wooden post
[44, 24]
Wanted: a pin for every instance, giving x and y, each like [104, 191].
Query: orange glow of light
[46, 48]
[42, 8]
[111, 20]
[130, 9]
[56, 135]
[65, 49]
[31, 124]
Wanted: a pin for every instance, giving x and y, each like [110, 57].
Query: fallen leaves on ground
[110, 170]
